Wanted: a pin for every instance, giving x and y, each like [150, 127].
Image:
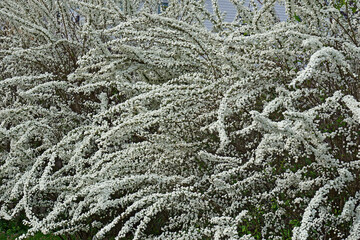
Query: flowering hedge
[117, 121]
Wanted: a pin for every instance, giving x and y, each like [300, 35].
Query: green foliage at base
[10, 230]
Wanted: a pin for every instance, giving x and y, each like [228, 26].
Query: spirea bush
[117, 121]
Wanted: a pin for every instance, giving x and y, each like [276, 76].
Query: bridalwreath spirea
[117, 121]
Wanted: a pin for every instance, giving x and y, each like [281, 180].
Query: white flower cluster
[117, 121]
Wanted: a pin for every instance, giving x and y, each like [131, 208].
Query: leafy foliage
[14, 227]
[118, 122]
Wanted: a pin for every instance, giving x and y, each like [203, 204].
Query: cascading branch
[119, 122]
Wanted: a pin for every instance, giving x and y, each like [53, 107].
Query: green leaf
[297, 18]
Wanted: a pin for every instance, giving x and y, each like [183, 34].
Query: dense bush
[116, 121]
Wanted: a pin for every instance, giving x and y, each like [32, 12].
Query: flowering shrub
[116, 121]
